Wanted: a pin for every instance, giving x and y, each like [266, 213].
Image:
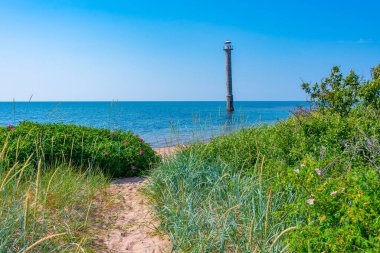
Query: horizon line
[137, 101]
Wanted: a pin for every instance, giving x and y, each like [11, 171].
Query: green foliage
[320, 135]
[337, 212]
[116, 153]
[341, 94]
[322, 166]
[370, 91]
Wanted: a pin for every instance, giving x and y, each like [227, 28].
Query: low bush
[116, 153]
[336, 212]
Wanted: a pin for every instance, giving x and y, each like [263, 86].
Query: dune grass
[45, 208]
[205, 207]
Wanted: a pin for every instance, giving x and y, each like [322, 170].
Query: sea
[159, 123]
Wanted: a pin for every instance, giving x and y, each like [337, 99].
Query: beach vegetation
[46, 208]
[116, 153]
[51, 177]
[310, 183]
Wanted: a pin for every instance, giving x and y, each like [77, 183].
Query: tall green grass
[45, 208]
[206, 207]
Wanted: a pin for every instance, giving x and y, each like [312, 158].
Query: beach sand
[126, 223]
[124, 220]
[165, 152]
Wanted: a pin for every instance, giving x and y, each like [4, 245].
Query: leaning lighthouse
[230, 99]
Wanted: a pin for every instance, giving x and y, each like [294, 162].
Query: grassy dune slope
[307, 184]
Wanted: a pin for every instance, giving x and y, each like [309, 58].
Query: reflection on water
[229, 117]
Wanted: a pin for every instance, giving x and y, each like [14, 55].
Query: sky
[146, 50]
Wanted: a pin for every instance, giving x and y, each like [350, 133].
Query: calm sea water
[159, 123]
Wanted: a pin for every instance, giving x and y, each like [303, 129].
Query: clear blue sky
[172, 50]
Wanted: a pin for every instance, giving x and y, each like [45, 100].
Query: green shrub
[116, 153]
[337, 212]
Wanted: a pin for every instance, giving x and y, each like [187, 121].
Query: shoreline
[167, 151]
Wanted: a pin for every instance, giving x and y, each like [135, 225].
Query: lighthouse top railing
[228, 47]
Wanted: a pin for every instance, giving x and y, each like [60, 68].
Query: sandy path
[165, 152]
[124, 221]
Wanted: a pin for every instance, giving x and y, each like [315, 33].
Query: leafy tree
[336, 93]
[340, 94]
[370, 90]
